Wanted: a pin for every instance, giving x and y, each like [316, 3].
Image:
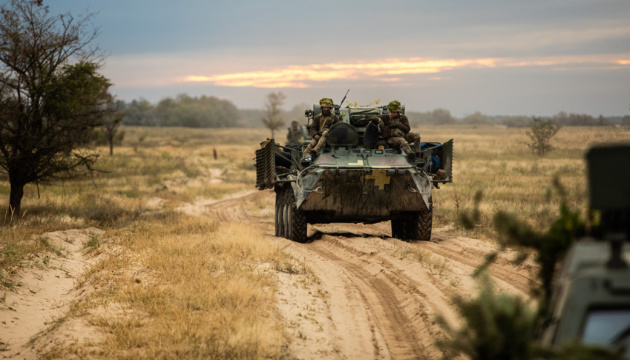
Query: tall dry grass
[496, 161]
[184, 287]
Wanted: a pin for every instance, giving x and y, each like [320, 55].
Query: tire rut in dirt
[387, 298]
[468, 255]
[232, 209]
[471, 256]
[503, 272]
[435, 293]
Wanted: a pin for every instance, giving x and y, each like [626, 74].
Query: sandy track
[374, 297]
[390, 302]
[44, 293]
[231, 208]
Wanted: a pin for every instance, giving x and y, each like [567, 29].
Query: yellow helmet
[326, 101]
[394, 106]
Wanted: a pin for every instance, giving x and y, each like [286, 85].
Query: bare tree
[111, 126]
[540, 135]
[51, 95]
[272, 119]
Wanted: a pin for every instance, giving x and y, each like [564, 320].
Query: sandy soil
[45, 291]
[366, 295]
[373, 296]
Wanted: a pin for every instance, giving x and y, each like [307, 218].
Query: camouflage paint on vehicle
[368, 184]
[351, 182]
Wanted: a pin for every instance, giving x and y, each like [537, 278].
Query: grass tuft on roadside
[185, 287]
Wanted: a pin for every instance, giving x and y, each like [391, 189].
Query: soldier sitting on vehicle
[296, 134]
[319, 127]
[395, 130]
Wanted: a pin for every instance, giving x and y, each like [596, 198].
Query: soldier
[319, 128]
[296, 135]
[395, 129]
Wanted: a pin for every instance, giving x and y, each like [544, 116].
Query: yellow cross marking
[359, 162]
[380, 178]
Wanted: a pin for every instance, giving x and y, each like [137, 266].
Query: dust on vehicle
[356, 178]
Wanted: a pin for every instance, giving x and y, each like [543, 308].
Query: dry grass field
[169, 253]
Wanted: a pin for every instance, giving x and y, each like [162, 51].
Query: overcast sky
[533, 57]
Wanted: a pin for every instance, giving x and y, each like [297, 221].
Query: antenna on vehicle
[344, 98]
[341, 103]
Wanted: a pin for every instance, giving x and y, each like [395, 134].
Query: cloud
[386, 70]
[298, 76]
[397, 79]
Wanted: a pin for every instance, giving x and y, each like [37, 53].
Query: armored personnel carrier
[591, 296]
[354, 179]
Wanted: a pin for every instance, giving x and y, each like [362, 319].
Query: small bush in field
[540, 135]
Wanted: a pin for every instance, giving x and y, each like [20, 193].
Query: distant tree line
[183, 110]
[212, 112]
[444, 117]
[197, 112]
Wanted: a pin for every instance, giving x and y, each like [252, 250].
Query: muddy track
[376, 297]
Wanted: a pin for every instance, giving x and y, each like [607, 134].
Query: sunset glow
[297, 76]
[387, 70]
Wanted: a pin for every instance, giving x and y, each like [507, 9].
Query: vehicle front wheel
[278, 213]
[296, 220]
[425, 223]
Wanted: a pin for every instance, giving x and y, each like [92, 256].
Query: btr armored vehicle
[356, 178]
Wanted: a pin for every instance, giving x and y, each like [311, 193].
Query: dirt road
[367, 295]
[351, 292]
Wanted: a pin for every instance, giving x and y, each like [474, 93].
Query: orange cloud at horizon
[391, 79]
[388, 70]
[297, 75]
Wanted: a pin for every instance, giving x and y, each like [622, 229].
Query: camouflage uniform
[396, 130]
[295, 137]
[319, 128]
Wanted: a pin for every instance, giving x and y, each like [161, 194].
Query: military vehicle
[356, 178]
[591, 296]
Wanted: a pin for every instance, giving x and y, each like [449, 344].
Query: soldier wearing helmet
[320, 125]
[296, 134]
[395, 129]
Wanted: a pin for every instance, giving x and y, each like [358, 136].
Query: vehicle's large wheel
[425, 223]
[398, 228]
[278, 213]
[296, 220]
[286, 225]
